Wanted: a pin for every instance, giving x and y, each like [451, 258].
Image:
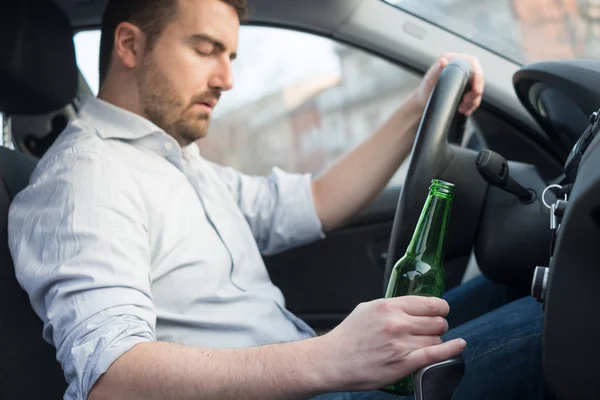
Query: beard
[164, 107]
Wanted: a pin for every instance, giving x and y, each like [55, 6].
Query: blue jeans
[503, 358]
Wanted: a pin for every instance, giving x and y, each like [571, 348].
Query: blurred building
[306, 126]
[524, 30]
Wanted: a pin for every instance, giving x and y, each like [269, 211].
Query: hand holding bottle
[385, 340]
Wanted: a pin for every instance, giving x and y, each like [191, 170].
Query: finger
[468, 100]
[474, 106]
[478, 82]
[433, 354]
[428, 325]
[471, 98]
[416, 342]
[423, 306]
[464, 110]
[468, 103]
[478, 79]
[436, 68]
[442, 62]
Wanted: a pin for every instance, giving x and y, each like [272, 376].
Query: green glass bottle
[420, 271]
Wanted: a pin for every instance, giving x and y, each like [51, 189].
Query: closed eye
[207, 46]
[203, 53]
[206, 49]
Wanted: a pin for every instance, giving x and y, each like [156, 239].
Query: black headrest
[38, 71]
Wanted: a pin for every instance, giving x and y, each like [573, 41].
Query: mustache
[207, 97]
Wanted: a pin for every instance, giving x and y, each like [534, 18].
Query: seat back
[38, 74]
[28, 366]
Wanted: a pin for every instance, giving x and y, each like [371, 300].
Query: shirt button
[169, 146]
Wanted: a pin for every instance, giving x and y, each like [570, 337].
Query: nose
[222, 78]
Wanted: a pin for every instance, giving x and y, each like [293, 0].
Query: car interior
[536, 128]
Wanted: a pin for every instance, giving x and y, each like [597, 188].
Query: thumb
[435, 70]
[442, 63]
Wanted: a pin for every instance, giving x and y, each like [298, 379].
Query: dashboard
[561, 96]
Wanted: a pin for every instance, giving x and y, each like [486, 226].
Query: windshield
[523, 31]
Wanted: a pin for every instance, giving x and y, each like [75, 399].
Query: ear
[130, 43]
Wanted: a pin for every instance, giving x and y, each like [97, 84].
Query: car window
[524, 31]
[87, 52]
[299, 100]
[2, 136]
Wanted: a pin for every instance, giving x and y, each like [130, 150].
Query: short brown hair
[151, 16]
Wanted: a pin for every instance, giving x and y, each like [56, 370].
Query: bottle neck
[427, 243]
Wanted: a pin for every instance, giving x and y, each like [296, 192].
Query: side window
[300, 101]
[87, 51]
[3, 135]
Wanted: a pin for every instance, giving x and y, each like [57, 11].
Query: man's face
[181, 79]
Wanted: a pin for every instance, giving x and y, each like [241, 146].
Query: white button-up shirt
[124, 237]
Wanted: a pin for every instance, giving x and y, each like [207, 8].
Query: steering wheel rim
[431, 154]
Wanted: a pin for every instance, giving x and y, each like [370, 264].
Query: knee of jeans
[515, 320]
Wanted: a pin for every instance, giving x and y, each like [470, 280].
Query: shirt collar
[191, 152]
[112, 122]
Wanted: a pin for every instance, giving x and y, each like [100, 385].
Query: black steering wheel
[433, 157]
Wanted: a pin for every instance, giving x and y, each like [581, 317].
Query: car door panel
[325, 280]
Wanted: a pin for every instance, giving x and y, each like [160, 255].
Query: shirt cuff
[294, 221]
[93, 358]
[313, 227]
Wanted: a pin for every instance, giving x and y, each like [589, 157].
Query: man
[143, 259]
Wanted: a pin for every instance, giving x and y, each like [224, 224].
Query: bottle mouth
[443, 187]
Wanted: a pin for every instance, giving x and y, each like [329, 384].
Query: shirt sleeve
[80, 246]
[280, 208]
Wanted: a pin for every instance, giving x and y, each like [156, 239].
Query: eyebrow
[201, 37]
